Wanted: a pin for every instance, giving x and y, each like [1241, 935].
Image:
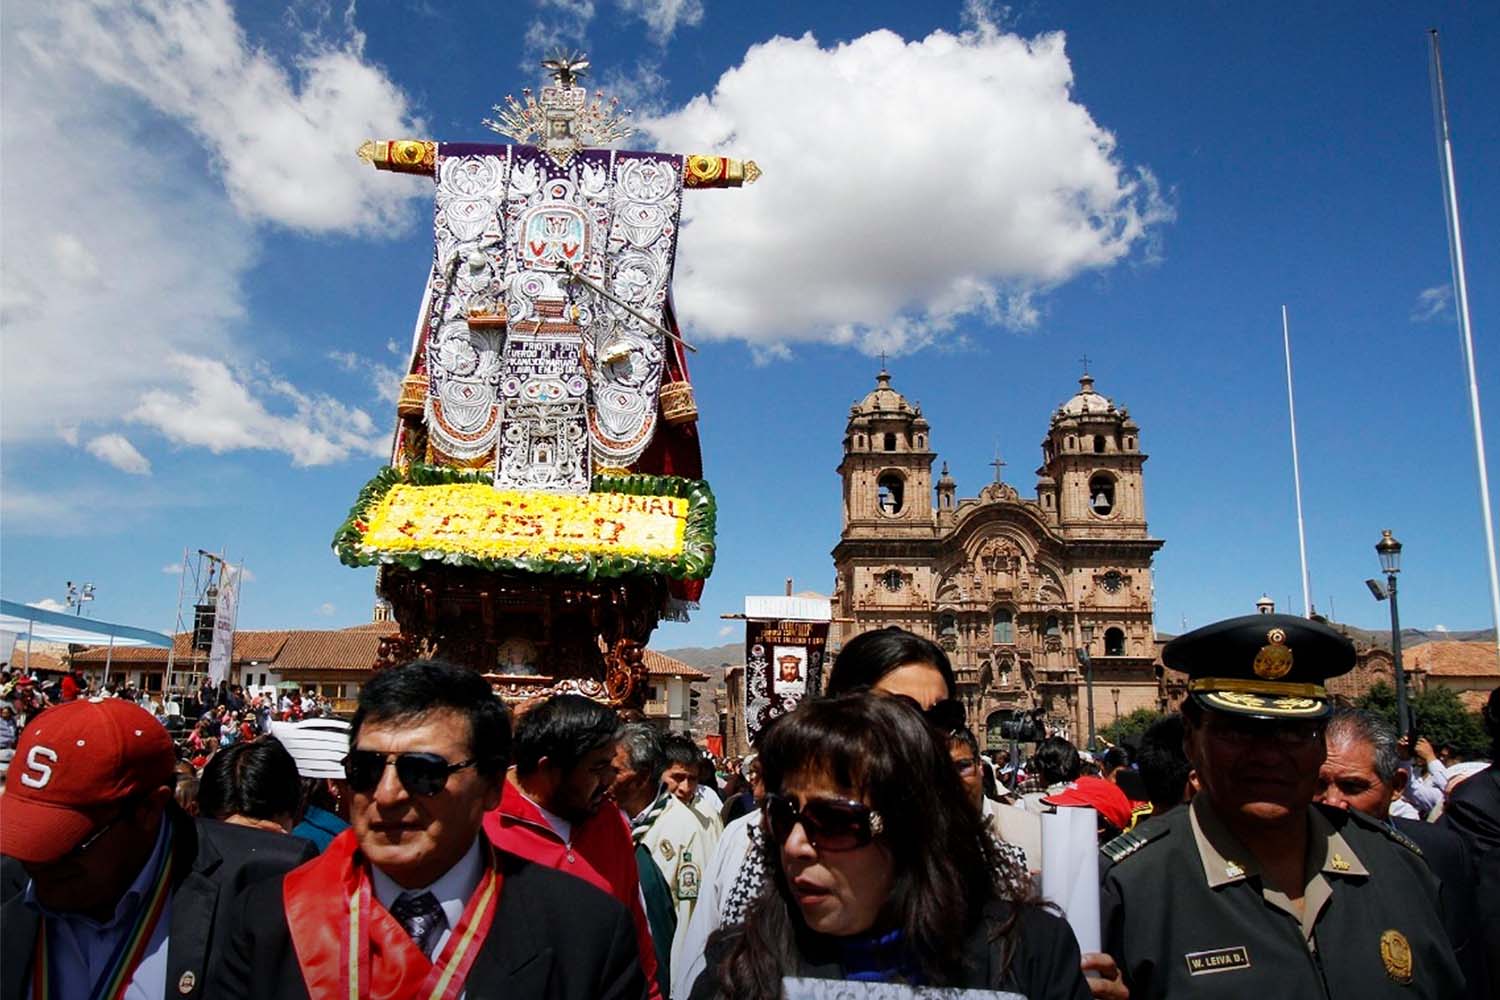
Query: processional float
[544, 507]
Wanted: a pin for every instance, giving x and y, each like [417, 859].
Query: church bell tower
[887, 466]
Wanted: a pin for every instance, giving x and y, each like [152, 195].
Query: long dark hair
[880, 749]
[869, 656]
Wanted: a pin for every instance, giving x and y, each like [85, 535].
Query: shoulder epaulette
[1366, 822]
[1131, 841]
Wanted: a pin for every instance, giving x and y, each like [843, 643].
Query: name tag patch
[1205, 963]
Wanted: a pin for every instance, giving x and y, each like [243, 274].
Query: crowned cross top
[562, 120]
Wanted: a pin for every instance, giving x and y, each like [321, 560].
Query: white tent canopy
[22, 623]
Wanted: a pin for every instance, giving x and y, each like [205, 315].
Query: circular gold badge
[1274, 661]
[1396, 954]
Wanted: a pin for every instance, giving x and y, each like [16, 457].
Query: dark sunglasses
[829, 824]
[420, 773]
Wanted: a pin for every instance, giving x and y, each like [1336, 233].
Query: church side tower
[1090, 480]
[887, 466]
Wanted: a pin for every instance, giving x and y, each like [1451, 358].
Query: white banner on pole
[222, 651]
[7, 645]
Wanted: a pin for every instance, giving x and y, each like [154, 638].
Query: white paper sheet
[1070, 869]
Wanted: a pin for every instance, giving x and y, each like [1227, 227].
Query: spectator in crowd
[554, 810]
[1362, 770]
[1163, 765]
[319, 746]
[1055, 764]
[1110, 805]
[891, 660]
[1013, 826]
[879, 878]
[251, 784]
[1473, 810]
[1233, 894]
[7, 727]
[638, 791]
[1427, 775]
[186, 789]
[428, 897]
[707, 799]
[748, 799]
[681, 841]
[123, 892]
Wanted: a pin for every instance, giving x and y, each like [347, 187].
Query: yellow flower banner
[476, 519]
[626, 525]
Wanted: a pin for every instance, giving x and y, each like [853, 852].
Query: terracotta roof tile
[1455, 659]
[339, 649]
[38, 660]
[662, 665]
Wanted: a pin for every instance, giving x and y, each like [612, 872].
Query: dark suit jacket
[1473, 811]
[1448, 857]
[1488, 894]
[225, 860]
[554, 936]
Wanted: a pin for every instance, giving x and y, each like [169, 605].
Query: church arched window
[1004, 626]
[1102, 494]
[1098, 442]
[947, 625]
[891, 580]
[890, 442]
[1051, 626]
[891, 494]
[1114, 642]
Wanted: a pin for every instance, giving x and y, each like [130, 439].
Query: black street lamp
[1086, 633]
[1389, 551]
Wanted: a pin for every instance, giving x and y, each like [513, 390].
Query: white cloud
[326, 609]
[282, 137]
[48, 604]
[725, 631]
[663, 17]
[117, 450]
[384, 380]
[1440, 628]
[1432, 303]
[172, 569]
[560, 24]
[132, 218]
[211, 407]
[909, 188]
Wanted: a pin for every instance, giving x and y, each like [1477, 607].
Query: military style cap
[1264, 666]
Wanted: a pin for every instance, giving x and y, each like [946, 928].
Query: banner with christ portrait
[783, 665]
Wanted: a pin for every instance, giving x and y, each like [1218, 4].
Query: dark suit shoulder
[553, 891]
[240, 844]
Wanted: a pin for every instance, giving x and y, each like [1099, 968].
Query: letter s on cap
[33, 763]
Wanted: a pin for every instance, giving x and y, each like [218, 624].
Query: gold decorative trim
[1209, 685]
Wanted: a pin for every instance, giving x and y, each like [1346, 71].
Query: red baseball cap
[72, 763]
[1096, 793]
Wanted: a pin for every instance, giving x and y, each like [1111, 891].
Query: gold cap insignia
[1274, 660]
[1233, 870]
[1395, 952]
[187, 982]
[1339, 864]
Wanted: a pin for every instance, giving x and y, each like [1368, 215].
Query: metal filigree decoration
[562, 120]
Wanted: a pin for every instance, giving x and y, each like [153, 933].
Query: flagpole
[1291, 407]
[1461, 287]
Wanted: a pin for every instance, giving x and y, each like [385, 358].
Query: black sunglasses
[420, 773]
[829, 824]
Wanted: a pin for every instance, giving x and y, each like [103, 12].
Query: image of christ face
[791, 669]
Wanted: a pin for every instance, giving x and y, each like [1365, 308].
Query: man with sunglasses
[413, 901]
[1253, 889]
[117, 891]
[555, 810]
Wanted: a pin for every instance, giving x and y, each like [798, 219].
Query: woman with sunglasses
[877, 876]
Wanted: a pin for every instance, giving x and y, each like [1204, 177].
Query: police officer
[1253, 887]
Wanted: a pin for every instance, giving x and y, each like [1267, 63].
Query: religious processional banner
[783, 665]
[221, 653]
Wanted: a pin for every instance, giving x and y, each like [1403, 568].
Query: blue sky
[205, 297]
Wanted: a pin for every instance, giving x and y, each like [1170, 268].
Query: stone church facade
[1009, 585]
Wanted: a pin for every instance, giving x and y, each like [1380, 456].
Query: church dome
[883, 399]
[1085, 402]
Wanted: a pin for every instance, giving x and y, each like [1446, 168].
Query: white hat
[317, 745]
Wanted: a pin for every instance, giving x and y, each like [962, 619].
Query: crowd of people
[441, 845]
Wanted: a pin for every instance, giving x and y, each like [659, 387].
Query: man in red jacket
[553, 810]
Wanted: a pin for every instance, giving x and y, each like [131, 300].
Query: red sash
[350, 948]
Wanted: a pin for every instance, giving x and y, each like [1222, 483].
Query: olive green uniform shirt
[1185, 914]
